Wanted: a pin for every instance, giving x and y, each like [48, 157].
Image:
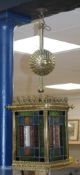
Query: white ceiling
[65, 27]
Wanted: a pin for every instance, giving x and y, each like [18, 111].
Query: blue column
[7, 23]
[6, 172]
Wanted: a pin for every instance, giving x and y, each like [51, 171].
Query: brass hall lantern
[40, 132]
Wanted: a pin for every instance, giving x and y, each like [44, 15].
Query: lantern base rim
[42, 166]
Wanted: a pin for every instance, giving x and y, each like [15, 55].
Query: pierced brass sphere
[42, 62]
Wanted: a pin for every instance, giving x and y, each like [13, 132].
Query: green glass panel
[54, 113]
[26, 113]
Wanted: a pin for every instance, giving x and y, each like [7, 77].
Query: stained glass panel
[29, 137]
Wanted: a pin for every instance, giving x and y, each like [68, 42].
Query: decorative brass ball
[42, 62]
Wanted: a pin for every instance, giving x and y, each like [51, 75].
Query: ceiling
[65, 26]
[30, 7]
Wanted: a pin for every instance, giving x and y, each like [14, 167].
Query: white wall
[74, 114]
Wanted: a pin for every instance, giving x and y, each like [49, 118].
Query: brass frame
[46, 140]
[41, 166]
[39, 103]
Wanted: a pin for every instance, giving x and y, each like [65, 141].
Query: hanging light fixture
[42, 61]
[40, 139]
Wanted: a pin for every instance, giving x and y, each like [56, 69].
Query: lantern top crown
[44, 101]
